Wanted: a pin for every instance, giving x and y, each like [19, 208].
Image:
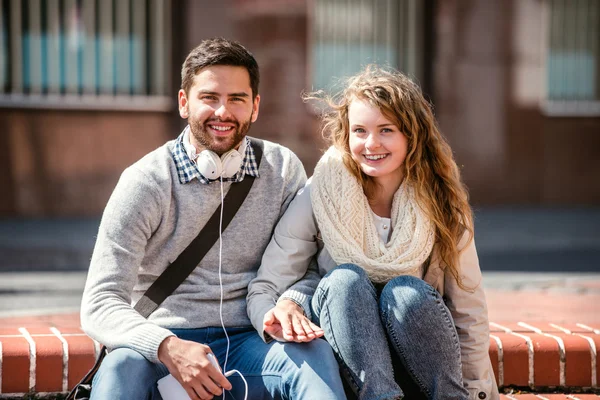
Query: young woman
[400, 299]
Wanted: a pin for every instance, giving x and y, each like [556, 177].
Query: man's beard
[217, 144]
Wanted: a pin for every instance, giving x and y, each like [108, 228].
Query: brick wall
[66, 163]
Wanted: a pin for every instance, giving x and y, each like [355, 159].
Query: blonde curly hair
[429, 165]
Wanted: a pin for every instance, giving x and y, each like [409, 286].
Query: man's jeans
[408, 316]
[273, 371]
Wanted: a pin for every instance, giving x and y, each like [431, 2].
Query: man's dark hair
[219, 51]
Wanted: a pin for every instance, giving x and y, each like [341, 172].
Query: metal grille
[58, 49]
[573, 64]
[349, 34]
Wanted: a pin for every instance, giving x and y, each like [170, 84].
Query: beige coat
[469, 312]
[295, 243]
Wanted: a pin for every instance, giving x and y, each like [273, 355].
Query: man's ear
[255, 106]
[183, 104]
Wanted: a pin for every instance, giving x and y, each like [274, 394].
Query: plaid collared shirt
[187, 169]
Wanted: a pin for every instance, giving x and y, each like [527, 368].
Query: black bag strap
[183, 266]
[189, 259]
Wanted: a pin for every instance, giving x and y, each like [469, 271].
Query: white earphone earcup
[231, 162]
[209, 164]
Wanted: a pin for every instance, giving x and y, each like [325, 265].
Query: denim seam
[449, 323]
[333, 344]
[449, 320]
[403, 357]
[446, 315]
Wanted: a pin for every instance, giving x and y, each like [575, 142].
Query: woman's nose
[372, 142]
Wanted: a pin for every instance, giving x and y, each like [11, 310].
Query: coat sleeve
[286, 262]
[469, 311]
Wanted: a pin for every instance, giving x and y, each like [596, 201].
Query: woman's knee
[338, 288]
[404, 294]
[346, 276]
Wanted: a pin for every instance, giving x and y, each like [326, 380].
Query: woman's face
[376, 144]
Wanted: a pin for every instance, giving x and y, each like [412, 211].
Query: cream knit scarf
[344, 218]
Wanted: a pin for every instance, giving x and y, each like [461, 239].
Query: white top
[384, 227]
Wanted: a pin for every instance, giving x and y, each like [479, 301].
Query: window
[573, 58]
[349, 34]
[85, 53]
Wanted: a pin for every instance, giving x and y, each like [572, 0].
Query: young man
[158, 207]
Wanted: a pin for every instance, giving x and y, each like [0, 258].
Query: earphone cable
[228, 373]
[220, 276]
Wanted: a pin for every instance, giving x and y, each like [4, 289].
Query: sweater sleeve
[132, 214]
[285, 261]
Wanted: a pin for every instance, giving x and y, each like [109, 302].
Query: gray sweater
[150, 219]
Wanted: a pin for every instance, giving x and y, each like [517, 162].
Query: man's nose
[222, 111]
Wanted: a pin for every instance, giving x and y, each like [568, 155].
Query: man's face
[219, 108]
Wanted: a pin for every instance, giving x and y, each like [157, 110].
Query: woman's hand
[188, 362]
[286, 322]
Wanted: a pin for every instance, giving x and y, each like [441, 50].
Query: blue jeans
[390, 341]
[273, 371]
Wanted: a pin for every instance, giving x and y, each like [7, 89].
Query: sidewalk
[47, 244]
[508, 239]
[543, 297]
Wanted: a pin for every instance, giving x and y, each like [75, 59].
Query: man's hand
[187, 361]
[287, 322]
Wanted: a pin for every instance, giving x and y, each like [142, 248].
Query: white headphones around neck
[212, 166]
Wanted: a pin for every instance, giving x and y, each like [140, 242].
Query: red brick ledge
[545, 355]
[43, 360]
[50, 360]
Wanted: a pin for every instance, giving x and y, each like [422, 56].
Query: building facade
[87, 87]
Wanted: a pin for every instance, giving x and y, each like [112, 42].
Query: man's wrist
[164, 349]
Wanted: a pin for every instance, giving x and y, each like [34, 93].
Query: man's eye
[208, 97]
[237, 99]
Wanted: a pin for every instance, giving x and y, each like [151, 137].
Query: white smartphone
[171, 389]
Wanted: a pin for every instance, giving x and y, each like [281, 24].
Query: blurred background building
[87, 87]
